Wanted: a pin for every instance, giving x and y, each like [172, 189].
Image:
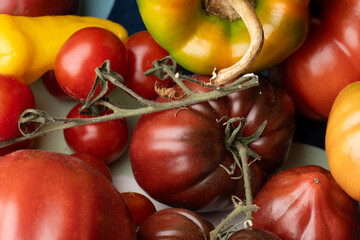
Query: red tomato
[39, 7]
[96, 163]
[326, 62]
[52, 86]
[139, 205]
[84, 51]
[253, 234]
[46, 195]
[306, 203]
[15, 97]
[176, 154]
[105, 140]
[174, 223]
[142, 50]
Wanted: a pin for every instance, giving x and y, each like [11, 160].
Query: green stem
[50, 124]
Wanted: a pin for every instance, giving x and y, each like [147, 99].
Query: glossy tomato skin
[39, 7]
[176, 154]
[142, 50]
[326, 62]
[306, 203]
[342, 140]
[95, 162]
[81, 54]
[15, 97]
[53, 87]
[140, 206]
[253, 234]
[174, 223]
[105, 140]
[57, 196]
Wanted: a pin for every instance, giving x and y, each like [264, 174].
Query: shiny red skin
[326, 62]
[46, 195]
[253, 234]
[15, 97]
[81, 54]
[105, 140]
[176, 154]
[95, 162]
[52, 86]
[306, 203]
[39, 7]
[173, 224]
[142, 50]
[140, 206]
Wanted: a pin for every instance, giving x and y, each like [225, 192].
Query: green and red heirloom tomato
[140, 206]
[142, 51]
[84, 51]
[306, 203]
[39, 7]
[176, 154]
[47, 195]
[105, 140]
[342, 140]
[174, 223]
[326, 62]
[200, 40]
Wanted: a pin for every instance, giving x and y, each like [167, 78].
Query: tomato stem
[45, 123]
[253, 24]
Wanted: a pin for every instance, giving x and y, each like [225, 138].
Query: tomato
[84, 51]
[140, 206]
[105, 140]
[47, 195]
[326, 62]
[142, 50]
[39, 7]
[174, 223]
[96, 163]
[342, 140]
[253, 233]
[52, 86]
[15, 97]
[306, 203]
[176, 155]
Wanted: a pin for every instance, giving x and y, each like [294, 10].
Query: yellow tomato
[342, 140]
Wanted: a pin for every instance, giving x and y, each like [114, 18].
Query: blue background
[126, 13]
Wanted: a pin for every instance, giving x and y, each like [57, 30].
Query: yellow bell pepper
[29, 45]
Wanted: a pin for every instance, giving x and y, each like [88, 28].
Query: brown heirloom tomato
[305, 203]
[176, 154]
[175, 223]
[46, 195]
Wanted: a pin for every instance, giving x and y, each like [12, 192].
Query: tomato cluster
[187, 158]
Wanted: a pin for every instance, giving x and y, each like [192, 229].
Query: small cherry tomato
[15, 97]
[105, 140]
[142, 50]
[140, 206]
[96, 163]
[253, 234]
[52, 86]
[81, 54]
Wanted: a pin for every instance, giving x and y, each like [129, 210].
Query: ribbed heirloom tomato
[47, 195]
[176, 154]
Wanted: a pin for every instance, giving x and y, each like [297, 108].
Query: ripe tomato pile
[187, 163]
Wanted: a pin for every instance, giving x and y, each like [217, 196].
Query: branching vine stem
[46, 123]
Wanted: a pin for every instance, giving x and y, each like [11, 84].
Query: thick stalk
[253, 24]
